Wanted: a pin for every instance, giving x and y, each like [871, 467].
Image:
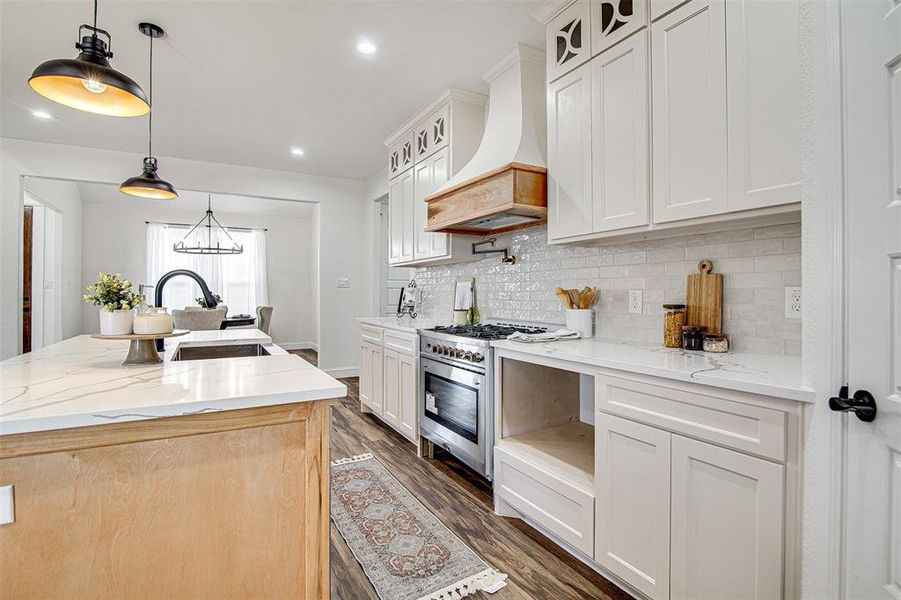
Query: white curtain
[239, 279]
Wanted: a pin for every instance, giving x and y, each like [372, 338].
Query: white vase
[581, 320]
[117, 322]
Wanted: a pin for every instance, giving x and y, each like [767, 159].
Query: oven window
[453, 404]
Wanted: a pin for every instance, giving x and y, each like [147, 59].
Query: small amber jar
[673, 321]
[693, 337]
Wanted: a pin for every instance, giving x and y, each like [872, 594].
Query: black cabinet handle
[861, 404]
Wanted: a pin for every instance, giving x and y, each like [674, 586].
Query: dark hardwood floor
[462, 501]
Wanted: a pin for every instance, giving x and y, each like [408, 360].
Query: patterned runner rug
[405, 551]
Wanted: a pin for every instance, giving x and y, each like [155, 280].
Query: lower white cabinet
[727, 521]
[632, 505]
[389, 379]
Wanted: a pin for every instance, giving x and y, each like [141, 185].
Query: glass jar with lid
[693, 337]
[153, 320]
[673, 321]
[716, 342]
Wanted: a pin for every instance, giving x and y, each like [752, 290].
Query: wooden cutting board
[704, 298]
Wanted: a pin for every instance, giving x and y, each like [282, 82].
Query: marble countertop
[777, 376]
[405, 324]
[81, 382]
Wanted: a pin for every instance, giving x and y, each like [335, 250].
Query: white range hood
[504, 186]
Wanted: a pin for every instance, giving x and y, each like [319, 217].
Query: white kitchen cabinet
[371, 369]
[401, 218]
[442, 138]
[763, 103]
[661, 7]
[632, 522]
[401, 155]
[568, 39]
[688, 70]
[727, 519]
[391, 397]
[389, 382]
[615, 20]
[408, 421]
[619, 136]
[569, 155]
[428, 176]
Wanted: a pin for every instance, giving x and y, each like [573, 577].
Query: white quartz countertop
[404, 324]
[777, 376]
[81, 382]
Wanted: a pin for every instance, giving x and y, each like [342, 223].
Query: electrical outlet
[792, 303]
[343, 282]
[635, 301]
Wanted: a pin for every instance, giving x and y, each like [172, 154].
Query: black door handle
[862, 404]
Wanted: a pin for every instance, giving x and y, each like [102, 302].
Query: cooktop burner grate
[487, 332]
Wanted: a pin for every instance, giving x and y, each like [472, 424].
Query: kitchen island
[188, 478]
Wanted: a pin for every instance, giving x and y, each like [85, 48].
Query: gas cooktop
[495, 331]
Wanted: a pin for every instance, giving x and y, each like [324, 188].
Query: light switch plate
[344, 282]
[635, 301]
[793, 303]
[7, 505]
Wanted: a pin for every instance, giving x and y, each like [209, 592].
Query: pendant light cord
[95, 18]
[150, 112]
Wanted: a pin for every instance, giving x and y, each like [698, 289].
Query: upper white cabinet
[569, 154]
[439, 140]
[762, 60]
[567, 36]
[615, 20]
[620, 186]
[672, 145]
[689, 111]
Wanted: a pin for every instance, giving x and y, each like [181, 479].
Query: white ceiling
[197, 202]
[243, 82]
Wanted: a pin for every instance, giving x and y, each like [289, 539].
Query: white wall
[343, 231]
[64, 197]
[114, 242]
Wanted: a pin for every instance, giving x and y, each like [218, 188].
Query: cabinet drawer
[372, 334]
[746, 427]
[401, 342]
[556, 505]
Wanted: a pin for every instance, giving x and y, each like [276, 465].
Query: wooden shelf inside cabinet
[566, 451]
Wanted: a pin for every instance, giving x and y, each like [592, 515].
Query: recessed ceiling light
[366, 48]
[297, 151]
[41, 114]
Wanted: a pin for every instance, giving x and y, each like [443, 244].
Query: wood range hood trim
[514, 190]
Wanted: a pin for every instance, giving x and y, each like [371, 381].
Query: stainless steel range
[456, 394]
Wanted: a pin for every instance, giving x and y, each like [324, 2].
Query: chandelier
[187, 246]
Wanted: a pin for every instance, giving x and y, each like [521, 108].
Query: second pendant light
[149, 184]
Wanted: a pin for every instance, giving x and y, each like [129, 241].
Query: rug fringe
[488, 580]
[351, 459]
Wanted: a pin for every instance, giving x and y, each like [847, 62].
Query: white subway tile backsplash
[757, 264]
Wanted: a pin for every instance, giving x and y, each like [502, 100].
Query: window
[240, 279]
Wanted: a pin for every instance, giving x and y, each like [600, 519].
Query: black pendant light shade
[88, 82]
[149, 184]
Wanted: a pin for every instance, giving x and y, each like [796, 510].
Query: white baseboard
[342, 372]
[299, 345]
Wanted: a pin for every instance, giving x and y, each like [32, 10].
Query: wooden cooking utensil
[704, 298]
[573, 298]
[564, 297]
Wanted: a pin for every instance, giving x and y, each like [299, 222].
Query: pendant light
[88, 82]
[185, 247]
[148, 184]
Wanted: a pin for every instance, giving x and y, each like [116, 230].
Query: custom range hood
[504, 186]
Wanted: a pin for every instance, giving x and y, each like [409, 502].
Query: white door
[409, 409]
[400, 221]
[365, 374]
[569, 154]
[619, 135]
[871, 38]
[726, 524]
[391, 398]
[763, 56]
[632, 508]
[688, 91]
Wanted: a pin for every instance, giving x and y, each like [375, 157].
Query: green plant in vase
[117, 300]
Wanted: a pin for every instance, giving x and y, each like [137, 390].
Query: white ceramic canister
[117, 322]
[581, 320]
